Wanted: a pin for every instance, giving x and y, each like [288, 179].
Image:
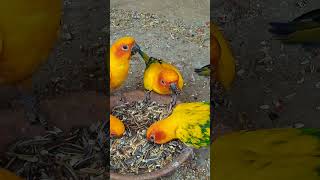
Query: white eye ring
[125, 47]
[162, 82]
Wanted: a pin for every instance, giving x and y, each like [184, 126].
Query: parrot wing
[312, 15]
[303, 29]
[287, 154]
[196, 135]
[226, 66]
[203, 71]
[194, 126]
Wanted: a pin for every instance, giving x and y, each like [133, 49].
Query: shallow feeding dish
[134, 98]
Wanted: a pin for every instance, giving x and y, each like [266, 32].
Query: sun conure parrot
[161, 77]
[222, 61]
[189, 122]
[8, 175]
[120, 55]
[304, 29]
[286, 154]
[116, 127]
[28, 32]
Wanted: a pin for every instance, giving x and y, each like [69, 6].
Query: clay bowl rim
[167, 169]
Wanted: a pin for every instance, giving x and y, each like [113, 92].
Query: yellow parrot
[116, 127]
[189, 122]
[221, 59]
[277, 154]
[28, 32]
[120, 55]
[161, 77]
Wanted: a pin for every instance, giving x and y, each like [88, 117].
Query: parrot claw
[172, 103]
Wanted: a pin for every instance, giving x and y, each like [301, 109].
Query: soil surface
[277, 84]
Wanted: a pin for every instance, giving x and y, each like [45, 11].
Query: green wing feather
[194, 127]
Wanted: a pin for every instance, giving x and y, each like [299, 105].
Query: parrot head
[159, 133]
[124, 47]
[168, 80]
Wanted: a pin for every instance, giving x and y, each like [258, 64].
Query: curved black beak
[135, 48]
[151, 139]
[174, 89]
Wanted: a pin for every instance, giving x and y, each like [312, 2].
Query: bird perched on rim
[161, 77]
[222, 62]
[120, 56]
[28, 32]
[285, 153]
[189, 122]
[304, 29]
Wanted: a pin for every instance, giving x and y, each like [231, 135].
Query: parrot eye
[162, 82]
[125, 47]
[152, 138]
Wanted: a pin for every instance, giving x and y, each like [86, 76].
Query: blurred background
[277, 85]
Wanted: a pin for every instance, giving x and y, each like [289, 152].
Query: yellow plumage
[8, 175]
[152, 73]
[116, 127]
[120, 55]
[226, 64]
[28, 31]
[222, 61]
[284, 154]
[189, 122]
[160, 76]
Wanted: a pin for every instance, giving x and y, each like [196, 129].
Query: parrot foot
[147, 97]
[172, 103]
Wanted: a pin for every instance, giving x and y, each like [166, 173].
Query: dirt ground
[177, 32]
[271, 76]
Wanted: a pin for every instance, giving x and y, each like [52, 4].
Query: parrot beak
[174, 89]
[151, 139]
[135, 48]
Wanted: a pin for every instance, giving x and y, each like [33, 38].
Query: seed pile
[133, 154]
[80, 154]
